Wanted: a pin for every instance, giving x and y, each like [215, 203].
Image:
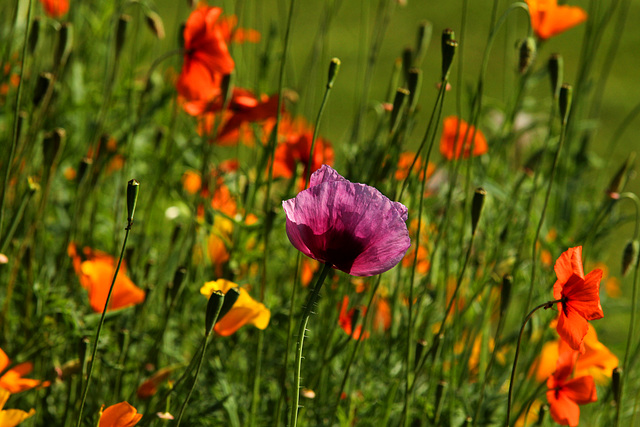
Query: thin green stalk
[16, 113]
[357, 345]
[632, 320]
[546, 306]
[552, 175]
[283, 384]
[131, 207]
[302, 328]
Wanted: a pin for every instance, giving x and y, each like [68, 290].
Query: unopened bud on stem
[132, 198]
[476, 207]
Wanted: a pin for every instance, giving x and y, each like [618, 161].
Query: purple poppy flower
[351, 226]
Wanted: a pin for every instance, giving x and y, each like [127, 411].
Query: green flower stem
[632, 320]
[97, 338]
[14, 139]
[546, 306]
[302, 328]
[357, 345]
[283, 384]
[534, 257]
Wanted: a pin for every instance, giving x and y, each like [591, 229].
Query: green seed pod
[399, 102]
[527, 54]
[556, 71]
[230, 298]
[42, 87]
[121, 32]
[566, 94]
[629, 255]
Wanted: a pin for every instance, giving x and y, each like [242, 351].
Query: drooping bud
[448, 52]
[121, 32]
[617, 182]
[65, 41]
[399, 102]
[556, 72]
[505, 293]
[541, 413]
[34, 35]
[629, 255]
[564, 101]
[407, 61]
[334, 67]
[230, 298]
[420, 345]
[476, 207]
[527, 54]
[216, 301]
[423, 38]
[51, 145]
[616, 380]
[414, 84]
[42, 86]
[133, 187]
[155, 24]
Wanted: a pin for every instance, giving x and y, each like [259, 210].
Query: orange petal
[119, 415]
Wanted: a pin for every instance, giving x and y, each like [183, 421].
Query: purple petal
[354, 227]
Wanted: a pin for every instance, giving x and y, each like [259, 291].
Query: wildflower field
[319, 213]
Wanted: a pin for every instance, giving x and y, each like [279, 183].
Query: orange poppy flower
[55, 8]
[564, 394]
[150, 386]
[549, 19]
[597, 361]
[119, 415]
[245, 310]
[295, 148]
[11, 417]
[451, 147]
[307, 270]
[579, 295]
[239, 35]
[206, 57]
[346, 319]
[12, 380]
[95, 271]
[404, 162]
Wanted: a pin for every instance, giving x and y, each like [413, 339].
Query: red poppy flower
[55, 8]
[549, 19]
[454, 133]
[348, 318]
[564, 394]
[295, 149]
[206, 57]
[579, 295]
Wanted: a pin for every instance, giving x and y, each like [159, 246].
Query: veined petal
[584, 295]
[581, 390]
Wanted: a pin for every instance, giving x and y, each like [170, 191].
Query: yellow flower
[245, 310]
[11, 417]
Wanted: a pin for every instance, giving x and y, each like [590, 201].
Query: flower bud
[476, 207]
[63, 48]
[414, 83]
[121, 32]
[527, 54]
[42, 87]
[448, 52]
[173, 289]
[505, 293]
[422, 42]
[420, 345]
[541, 413]
[616, 183]
[616, 381]
[230, 298]
[629, 255]
[154, 22]
[216, 301]
[85, 163]
[556, 71]
[566, 92]
[132, 198]
[51, 146]
[34, 35]
[407, 61]
[448, 36]
[399, 102]
[334, 67]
